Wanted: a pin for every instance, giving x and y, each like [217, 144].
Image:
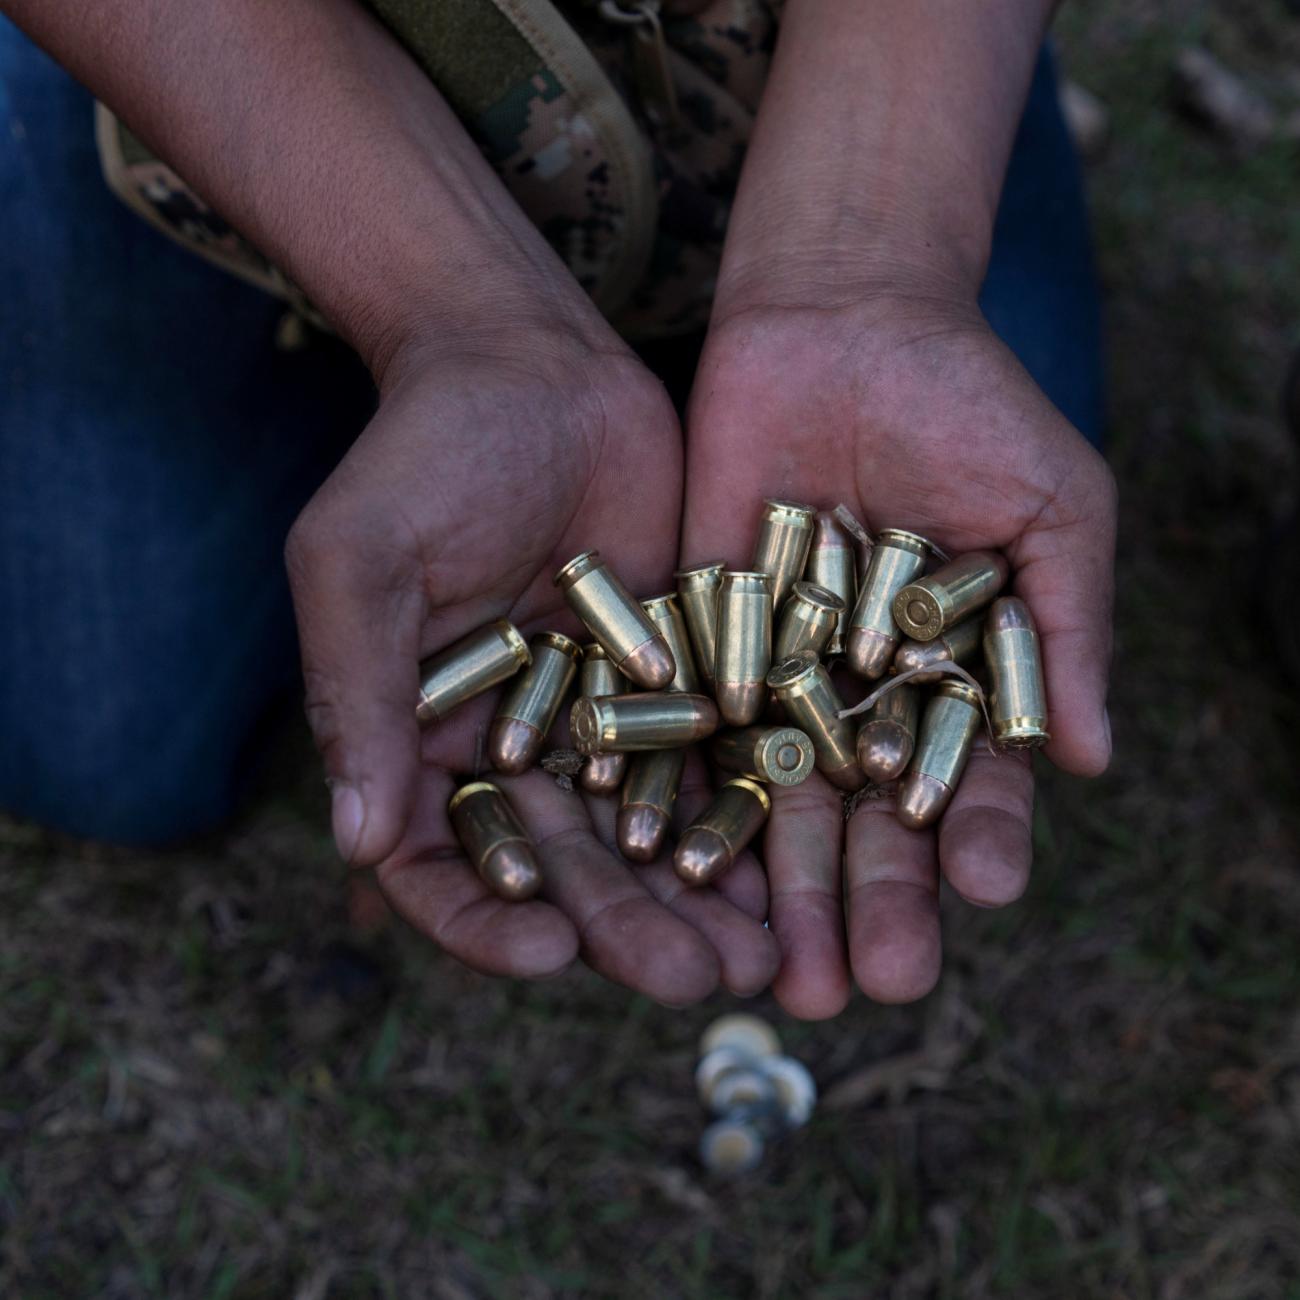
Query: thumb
[1065, 573]
[359, 612]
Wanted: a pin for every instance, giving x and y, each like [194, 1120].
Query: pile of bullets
[745, 659]
[755, 1092]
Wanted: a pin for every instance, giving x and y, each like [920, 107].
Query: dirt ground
[206, 1092]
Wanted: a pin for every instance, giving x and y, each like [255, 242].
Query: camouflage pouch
[619, 129]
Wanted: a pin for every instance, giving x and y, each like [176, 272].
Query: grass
[1102, 1100]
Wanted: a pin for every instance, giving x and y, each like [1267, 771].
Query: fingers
[803, 849]
[625, 935]
[892, 882]
[430, 884]
[986, 836]
[359, 607]
[1065, 572]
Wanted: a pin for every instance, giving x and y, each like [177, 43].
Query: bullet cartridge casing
[495, 842]
[925, 608]
[785, 532]
[887, 737]
[802, 684]
[649, 720]
[956, 645]
[697, 589]
[744, 652]
[896, 559]
[711, 843]
[470, 666]
[831, 564]
[729, 1147]
[807, 622]
[646, 807]
[666, 614]
[529, 707]
[948, 727]
[778, 755]
[742, 1032]
[1018, 700]
[616, 620]
[601, 773]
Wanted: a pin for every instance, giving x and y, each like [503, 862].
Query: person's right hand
[485, 469]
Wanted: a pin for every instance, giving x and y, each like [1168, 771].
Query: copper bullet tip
[651, 665]
[848, 777]
[603, 773]
[869, 652]
[741, 703]
[884, 749]
[512, 745]
[829, 533]
[1007, 614]
[702, 855]
[511, 871]
[921, 800]
[640, 830]
[920, 654]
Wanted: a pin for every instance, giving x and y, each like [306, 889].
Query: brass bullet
[779, 755]
[652, 720]
[646, 809]
[709, 845]
[729, 1147]
[896, 559]
[494, 841]
[697, 589]
[803, 685]
[923, 609]
[744, 651]
[1018, 700]
[616, 620]
[958, 645]
[742, 1032]
[808, 621]
[948, 729]
[887, 736]
[601, 773]
[831, 564]
[470, 666]
[784, 537]
[666, 615]
[528, 710]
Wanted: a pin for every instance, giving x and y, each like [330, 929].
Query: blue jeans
[155, 446]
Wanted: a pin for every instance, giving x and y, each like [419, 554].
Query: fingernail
[348, 813]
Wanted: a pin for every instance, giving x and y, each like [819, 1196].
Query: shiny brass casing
[802, 684]
[468, 667]
[710, 844]
[785, 532]
[887, 737]
[529, 707]
[779, 755]
[601, 773]
[896, 559]
[494, 840]
[666, 614]
[616, 620]
[923, 609]
[1018, 700]
[651, 720]
[697, 589]
[831, 564]
[808, 621]
[744, 652]
[948, 727]
[958, 645]
[646, 806]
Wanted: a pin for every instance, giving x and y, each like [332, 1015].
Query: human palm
[914, 416]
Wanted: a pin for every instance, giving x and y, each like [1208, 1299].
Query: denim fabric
[155, 446]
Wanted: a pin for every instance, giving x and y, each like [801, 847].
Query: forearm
[307, 126]
[880, 146]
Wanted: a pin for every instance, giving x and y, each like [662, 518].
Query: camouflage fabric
[556, 95]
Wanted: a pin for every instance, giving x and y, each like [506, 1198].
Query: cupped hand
[484, 470]
[912, 413]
